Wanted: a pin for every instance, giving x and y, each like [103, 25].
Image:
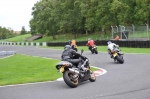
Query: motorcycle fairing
[61, 70]
[115, 54]
[94, 47]
[63, 63]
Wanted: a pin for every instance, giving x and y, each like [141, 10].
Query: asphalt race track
[130, 80]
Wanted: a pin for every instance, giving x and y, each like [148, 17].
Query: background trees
[5, 33]
[23, 31]
[8, 32]
[54, 17]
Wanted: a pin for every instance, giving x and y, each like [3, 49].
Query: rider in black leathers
[68, 55]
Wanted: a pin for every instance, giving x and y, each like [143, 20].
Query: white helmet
[109, 42]
[89, 39]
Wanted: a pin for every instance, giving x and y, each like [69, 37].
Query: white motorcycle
[117, 55]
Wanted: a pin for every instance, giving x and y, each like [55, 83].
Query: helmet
[109, 42]
[67, 47]
[89, 39]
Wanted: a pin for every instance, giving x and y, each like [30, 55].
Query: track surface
[130, 80]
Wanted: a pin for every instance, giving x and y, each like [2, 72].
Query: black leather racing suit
[68, 55]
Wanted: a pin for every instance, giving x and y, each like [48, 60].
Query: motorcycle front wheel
[120, 59]
[92, 76]
[96, 52]
[70, 80]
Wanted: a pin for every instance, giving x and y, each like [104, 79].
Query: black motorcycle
[73, 75]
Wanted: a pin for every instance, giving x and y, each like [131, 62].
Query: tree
[142, 11]
[23, 31]
[54, 17]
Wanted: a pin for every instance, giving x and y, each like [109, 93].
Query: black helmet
[67, 47]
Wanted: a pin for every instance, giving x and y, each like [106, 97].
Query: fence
[127, 43]
[24, 43]
[131, 32]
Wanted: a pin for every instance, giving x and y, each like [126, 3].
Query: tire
[67, 78]
[92, 77]
[120, 59]
[96, 52]
[92, 51]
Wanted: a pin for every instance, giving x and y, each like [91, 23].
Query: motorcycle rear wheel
[68, 78]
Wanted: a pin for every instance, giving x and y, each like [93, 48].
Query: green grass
[83, 37]
[60, 38]
[139, 35]
[19, 69]
[104, 49]
[69, 36]
[19, 38]
[25, 69]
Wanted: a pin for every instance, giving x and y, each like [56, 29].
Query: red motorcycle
[94, 49]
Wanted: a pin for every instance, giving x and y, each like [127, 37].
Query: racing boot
[111, 56]
[83, 68]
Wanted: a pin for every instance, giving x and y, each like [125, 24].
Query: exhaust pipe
[73, 71]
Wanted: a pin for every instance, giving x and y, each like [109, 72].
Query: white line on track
[6, 56]
[27, 84]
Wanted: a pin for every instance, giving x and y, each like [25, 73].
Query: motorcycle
[117, 55]
[94, 49]
[73, 75]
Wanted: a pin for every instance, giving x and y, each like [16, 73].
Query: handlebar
[85, 61]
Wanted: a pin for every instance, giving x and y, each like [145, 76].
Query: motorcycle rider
[72, 43]
[111, 47]
[68, 55]
[90, 44]
[69, 42]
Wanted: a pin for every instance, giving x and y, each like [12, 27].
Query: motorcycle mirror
[82, 51]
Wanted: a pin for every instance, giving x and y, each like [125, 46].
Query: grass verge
[20, 69]
[104, 49]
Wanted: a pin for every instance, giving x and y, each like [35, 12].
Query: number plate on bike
[61, 70]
